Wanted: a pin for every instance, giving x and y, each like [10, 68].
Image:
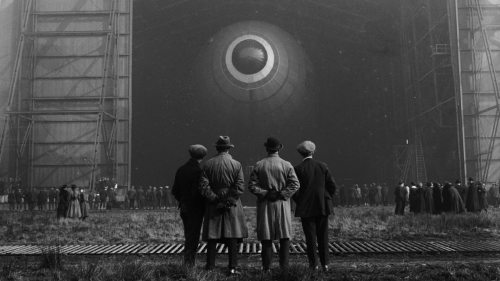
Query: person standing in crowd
[385, 194]
[222, 184]
[437, 196]
[400, 196]
[413, 198]
[472, 203]
[141, 197]
[428, 198]
[495, 195]
[131, 194]
[74, 210]
[357, 194]
[273, 181]
[12, 200]
[481, 193]
[41, 199]
[191, 204]
[83, 199]
[317, 187]
[63, 202]
[452, 201]
[52, 198]
[19, 199]
[167, 196]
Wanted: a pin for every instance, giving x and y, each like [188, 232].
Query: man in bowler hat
[273, 181]
[222, 184]
[314, 203]
[191, 203]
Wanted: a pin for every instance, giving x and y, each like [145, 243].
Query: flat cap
[197, 151]
[306, 147]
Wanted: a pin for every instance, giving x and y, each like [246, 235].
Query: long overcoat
[452, 201]
[274, 219]
[222, 178]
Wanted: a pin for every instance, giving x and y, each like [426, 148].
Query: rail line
[336, 248]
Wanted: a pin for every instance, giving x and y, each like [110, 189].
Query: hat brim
[278, 147]
[224, 145]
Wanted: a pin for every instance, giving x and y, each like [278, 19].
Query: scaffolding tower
[428, 91]
[69, 106]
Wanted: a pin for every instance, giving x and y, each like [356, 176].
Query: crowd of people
[436, 198]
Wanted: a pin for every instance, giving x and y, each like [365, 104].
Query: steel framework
[428, 88]
[69, 106]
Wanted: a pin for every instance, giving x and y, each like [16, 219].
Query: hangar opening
[332, 82]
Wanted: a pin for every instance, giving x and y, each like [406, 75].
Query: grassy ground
[361, 223]
[145, 269]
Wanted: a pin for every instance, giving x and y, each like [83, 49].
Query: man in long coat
[191, 203]
[400, 196]
[222, 184]
[452, 201]
[63, 204]
[317, 188]
[273, 181]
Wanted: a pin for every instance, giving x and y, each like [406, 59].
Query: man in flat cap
[273, 181]
[191, 203]
[314, 203]
[222, 184]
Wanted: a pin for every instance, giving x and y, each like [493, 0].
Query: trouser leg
[322, 234]
[309, 227]
[284, 253]
[266, 254]
[211, 251]
[232, 245]
[192, 228]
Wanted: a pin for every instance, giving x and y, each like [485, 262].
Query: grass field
[361, 223]
[169, 269]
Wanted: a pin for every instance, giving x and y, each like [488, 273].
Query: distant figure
[495, 195]
[74, 210]
[472, 203]
[131, 194]
[83, 199]
[52, 198]
[452, 201]
[273, 181]
[356, 195]
[317, 188]
[167, 197]
[429, 198]
[385, 194]
[191, 203]
[400, 195]
[63, 204]
[222, 184]
[437, 196]
[483, 201]
[413, 197]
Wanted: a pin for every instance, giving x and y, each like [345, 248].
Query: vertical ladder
[421, 172]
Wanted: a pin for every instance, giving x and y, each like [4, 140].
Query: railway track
[336, 248]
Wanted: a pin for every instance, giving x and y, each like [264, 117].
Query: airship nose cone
[249, 57]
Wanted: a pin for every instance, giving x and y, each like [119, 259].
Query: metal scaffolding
[69, 99]
[428, 89]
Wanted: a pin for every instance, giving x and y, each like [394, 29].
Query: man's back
[317, 187]
[186, 183]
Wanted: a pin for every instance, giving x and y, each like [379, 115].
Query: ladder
[420, 170]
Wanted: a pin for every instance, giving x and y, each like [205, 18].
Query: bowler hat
[306, 147]
[197, 151]
[273, 143]
[224, 141]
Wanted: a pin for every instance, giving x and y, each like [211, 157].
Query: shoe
[233, 272]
